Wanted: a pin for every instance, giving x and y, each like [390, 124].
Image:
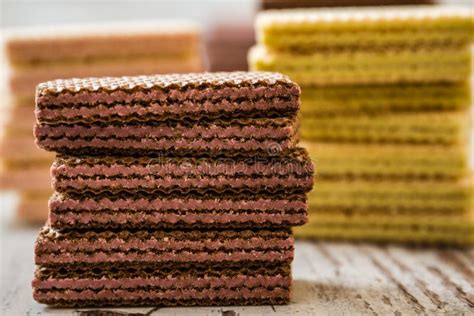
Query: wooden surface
[329, 278]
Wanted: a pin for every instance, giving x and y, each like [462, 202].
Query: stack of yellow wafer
[385, 116]
[42, 54]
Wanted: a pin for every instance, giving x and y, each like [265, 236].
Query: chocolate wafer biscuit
[148, 114]
[232, 211]
[290, 173]
[227, 254]
[181, 192]
[245, 136]
[55, 247]
[193, 96]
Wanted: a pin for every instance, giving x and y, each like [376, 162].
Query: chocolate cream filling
[61, 203]
[149, 256]
[178, 184]
[165, 244]
[175, 145]
[154, 111]
[164, 283]
[179, 131]
[67, 168]
[174, 295]
[166, 95]
[140, 218]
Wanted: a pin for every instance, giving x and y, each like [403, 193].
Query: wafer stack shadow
[385, 116]
[194, 208]
[77, 51]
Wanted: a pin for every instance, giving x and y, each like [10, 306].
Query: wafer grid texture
[392, 161]
[163, 268]
[205, 220]
[322, 47]
[422, 211]
[417, 128]
[385, 116]
[364, 28]
[117, 129]
[421, 65]
[43, 53]
[372, 99]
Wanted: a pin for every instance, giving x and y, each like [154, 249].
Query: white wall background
[15, 13]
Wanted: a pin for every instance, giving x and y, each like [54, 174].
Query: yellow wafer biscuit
[350, 99]
[33, 207]
[421, 127]
[391, 161]
[361, 28]
[446, 64]
[420, 233]
[385, 196]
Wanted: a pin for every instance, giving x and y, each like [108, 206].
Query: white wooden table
[329, 279]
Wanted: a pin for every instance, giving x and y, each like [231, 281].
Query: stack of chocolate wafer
[77, 51]
[171, 190]
[385, 115]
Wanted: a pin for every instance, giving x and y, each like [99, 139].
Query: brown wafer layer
[161, 270]
[245, 135]
[291, 172]
[171, 283]
[272, 101]
[180, 87]
[277, 296]
[76, 247]
[185, 287]
[78, 115]
[165, 212]
[200, 278]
